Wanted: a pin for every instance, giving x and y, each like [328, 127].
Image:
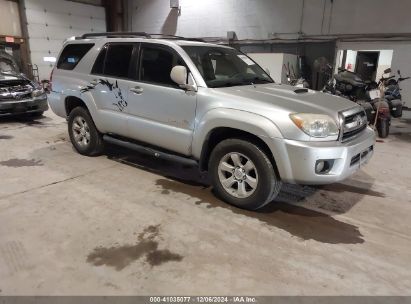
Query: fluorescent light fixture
[49, 59]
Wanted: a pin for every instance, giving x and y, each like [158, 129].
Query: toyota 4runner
[206, 104]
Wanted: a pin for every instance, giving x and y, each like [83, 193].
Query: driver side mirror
[386, 71]
[180, 75]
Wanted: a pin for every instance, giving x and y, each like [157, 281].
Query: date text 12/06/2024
[200, 299]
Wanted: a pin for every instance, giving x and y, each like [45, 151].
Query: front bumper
[15, 107]
[296, 160]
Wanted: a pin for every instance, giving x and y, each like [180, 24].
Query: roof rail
[115, 34]
[166, 36]
[136, 34]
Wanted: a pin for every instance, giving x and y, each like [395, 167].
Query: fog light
[319, 166]
[323, 166]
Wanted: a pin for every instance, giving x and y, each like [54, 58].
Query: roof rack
[166, 36]
[135, 34]
[115, 34]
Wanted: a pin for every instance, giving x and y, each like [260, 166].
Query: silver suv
[206, 104]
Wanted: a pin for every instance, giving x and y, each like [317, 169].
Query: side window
[118, 59]
[98, 67]
[72, 54]
[156, 64]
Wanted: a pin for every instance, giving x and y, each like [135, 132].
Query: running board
[150, 151]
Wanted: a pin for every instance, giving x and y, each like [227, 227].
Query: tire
[397, 104]
[397, 113]
[383, 128]
[248, 190]
[83, 133]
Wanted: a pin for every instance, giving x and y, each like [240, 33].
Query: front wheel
[84, 135]
[243, 175]
[383, 128]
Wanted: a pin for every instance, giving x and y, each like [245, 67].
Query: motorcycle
[377, 108]
[366, 93]
[393, 95]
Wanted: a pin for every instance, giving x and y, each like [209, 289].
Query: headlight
[315, 125]
[38, 93]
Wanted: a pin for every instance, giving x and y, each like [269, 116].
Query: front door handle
[137, 90]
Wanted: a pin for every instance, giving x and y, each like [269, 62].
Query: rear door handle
[137, 90]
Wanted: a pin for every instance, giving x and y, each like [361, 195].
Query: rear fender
[74, 88]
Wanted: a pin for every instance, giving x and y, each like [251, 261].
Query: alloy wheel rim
[81, 131]
[238, 175]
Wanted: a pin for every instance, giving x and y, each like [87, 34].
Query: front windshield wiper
[226, 84]
[241, 82]
[256, 80]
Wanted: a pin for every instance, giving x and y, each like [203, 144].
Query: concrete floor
[124, 224]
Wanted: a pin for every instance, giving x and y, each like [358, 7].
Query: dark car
[19, 95]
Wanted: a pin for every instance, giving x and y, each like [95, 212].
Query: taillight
[384, 111]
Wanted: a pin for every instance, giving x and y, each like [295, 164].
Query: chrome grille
[353, 122]
[17, 92]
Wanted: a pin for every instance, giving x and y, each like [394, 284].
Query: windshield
[224, 67]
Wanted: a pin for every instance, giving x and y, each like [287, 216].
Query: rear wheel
[242, 174]
[383, 128]
[83, 133]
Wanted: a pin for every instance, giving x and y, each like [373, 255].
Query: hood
[290, 99]
[14, 87]
[11, 79]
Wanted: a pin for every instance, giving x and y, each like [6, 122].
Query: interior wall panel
[257, 19]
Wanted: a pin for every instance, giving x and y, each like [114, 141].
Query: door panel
[159, 112]
[109, 85]
[162, 116]
[111, 97]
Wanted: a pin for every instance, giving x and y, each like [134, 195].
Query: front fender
[235, 119]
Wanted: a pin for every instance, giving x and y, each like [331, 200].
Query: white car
[210, 105]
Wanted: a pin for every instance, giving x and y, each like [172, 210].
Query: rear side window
[72, 54]
[118, 60]
[98, 67]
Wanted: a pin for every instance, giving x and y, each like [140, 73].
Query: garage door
[51, 22]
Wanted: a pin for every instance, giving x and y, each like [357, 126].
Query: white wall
[384, 62]
[51, 22]
[256, 19]
[271, 61]
[351, 60]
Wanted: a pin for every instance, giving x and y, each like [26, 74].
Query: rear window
[72, 54]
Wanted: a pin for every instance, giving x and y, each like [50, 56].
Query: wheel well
[72, 102]
[219, 134]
